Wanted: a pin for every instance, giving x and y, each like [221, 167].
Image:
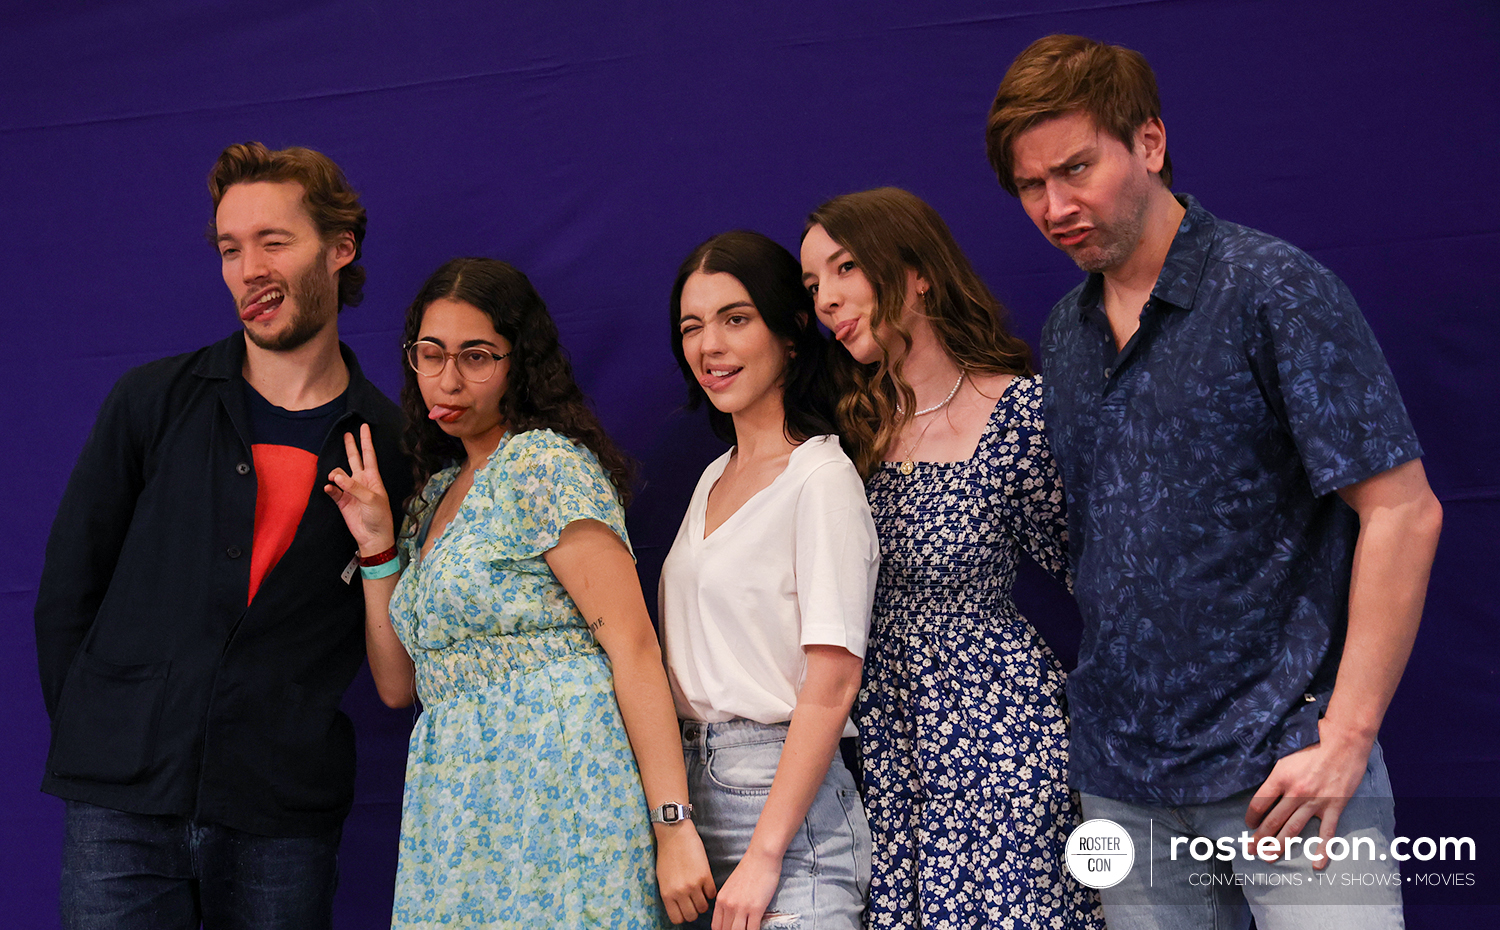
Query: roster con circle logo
[1099, 853]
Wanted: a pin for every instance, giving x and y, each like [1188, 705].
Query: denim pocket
[859, 828]
[747, 768]
[107, 720]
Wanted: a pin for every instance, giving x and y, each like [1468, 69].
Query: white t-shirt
[794, 566]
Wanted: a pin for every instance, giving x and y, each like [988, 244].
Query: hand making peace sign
[360, 496]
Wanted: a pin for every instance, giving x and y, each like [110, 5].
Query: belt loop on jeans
[696, 731]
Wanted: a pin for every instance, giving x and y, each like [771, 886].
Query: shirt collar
[1182, 272]
[1177, 284]
[224, 359]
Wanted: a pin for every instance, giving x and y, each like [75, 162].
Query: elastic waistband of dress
[920, 617]
[527, 648]
[481, 664]
[736, 732]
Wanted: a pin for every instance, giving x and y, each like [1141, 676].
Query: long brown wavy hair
[541, 393]
[887, 231]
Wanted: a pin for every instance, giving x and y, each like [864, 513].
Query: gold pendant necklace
[908, 466]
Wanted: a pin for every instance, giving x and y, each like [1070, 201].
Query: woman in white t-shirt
[765, 599]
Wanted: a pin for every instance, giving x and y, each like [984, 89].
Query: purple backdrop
[594, 146]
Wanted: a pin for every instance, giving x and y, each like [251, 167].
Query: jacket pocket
[309, 752]
[107, 720]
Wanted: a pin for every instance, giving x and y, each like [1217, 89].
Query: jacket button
[233, 552]
[242, 468]
[1309, 698]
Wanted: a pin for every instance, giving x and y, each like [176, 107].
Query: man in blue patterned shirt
[1250, 523]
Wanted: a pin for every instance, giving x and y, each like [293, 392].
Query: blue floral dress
[523, 804]
[962, 718]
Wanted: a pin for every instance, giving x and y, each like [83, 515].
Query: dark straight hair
[773, 279]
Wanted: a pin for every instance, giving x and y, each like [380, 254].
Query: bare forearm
[595, 569]
[598, 574]
[812, 739]
[390, 665]
[650, 720]
[360, 496]
[1392, 561]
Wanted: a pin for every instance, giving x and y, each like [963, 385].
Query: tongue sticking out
[260, 308]
[445, 413]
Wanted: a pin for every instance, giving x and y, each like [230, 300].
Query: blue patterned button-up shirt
[1211, 557]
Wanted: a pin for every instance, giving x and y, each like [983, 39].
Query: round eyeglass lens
[475, 364]
[426, 358]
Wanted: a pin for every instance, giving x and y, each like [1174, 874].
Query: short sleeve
[837, 557]
[533, 487]
[1336, 391]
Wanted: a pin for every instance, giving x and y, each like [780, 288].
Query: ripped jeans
[825, 873]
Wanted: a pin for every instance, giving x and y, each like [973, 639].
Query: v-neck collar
[700, 508]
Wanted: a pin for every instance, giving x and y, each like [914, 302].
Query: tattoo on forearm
[594, 626]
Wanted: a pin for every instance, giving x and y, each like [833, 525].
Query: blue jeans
[124, 871]
[1177, 886]
[825, 873]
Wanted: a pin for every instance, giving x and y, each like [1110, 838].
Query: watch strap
[672, 812]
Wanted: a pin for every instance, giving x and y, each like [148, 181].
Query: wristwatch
[672, 812]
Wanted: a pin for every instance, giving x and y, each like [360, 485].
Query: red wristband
[379, 558]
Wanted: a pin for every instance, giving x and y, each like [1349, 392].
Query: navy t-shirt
[285, 448]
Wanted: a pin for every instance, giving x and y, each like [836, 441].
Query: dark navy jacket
[167, 694]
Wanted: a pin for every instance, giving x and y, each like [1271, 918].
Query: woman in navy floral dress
[962, 718]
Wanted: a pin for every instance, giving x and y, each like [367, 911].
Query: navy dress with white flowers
[962, 718]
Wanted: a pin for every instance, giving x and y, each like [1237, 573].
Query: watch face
[670, 813]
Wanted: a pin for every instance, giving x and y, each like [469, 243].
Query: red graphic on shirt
[283, 480]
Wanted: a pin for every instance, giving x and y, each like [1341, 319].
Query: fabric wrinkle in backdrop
[594, 145]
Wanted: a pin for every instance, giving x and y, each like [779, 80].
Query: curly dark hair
[541, 393]
[773, 279]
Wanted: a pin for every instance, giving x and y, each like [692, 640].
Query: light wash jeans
[825, 874]
[1203, 892]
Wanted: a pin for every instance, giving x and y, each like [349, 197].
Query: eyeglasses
[475, 364]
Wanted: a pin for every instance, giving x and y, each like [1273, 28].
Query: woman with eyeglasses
[509, 605]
